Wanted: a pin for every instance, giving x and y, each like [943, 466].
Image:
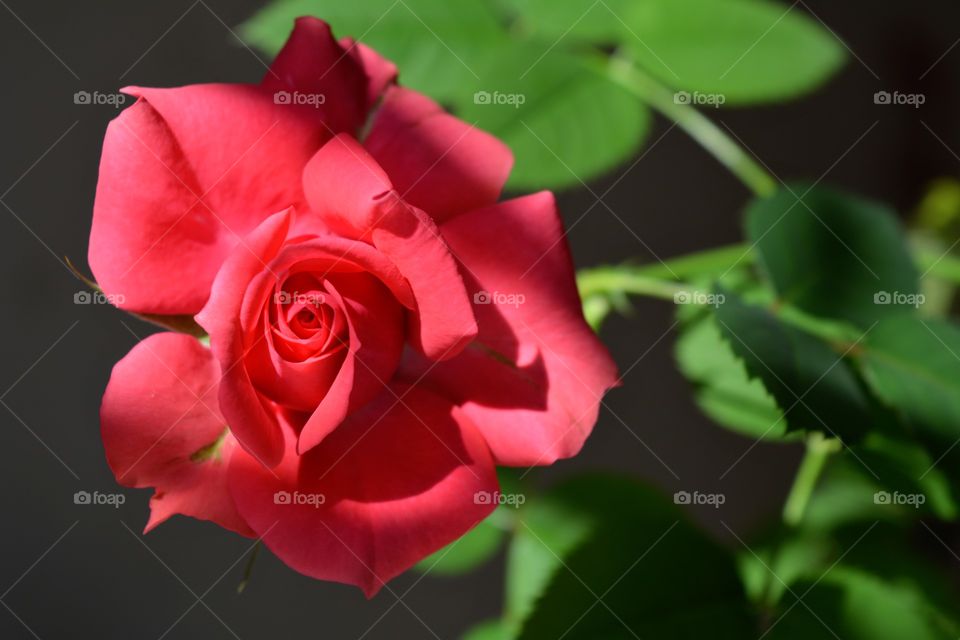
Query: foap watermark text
[697, 498]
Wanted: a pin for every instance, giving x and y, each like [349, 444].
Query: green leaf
[489, 630]
[571, 21]
[913, 364]
[833, 255]
[844, 496]
[905, 468]
[811, 382]
[638, 555]
[855, 605]
[744, 50]
[790, 560]
[564, 119]
[548, 530]
[845, 522]
[470, 551]
[723, 390]
[437, 45]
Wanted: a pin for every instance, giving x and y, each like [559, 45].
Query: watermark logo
[697, 498]
[897, 298]
[702, 298]
[499, 298]
[96, 498]
[509, 499]
[700, 99]
[299, 98]
[287, 297]
[98, 297]
[297, 498]
[497, 98]
[914, 100]
[896, 498]
[115, 100]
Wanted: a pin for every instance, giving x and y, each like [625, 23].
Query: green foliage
[812, 384]
[748, 50]
[827, 334]
[537, 74]
[626, 567]
[566, 103]
[832, 255]
[837, 340]
[472, 550]
[913, 364]
[723, 389]
[489, 630]
[745, 50]
[853, 604]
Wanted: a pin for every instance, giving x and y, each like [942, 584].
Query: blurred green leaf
[845, 496]
[833, 255]
[855, 605]
[847, 522]
[939, 210]
[913, 364]
[745, 50]
[789, 561]
[656, 574]
[810, 381]
[564, 119]
[723, 390]
[470, 551]
[571, 21]
[903, 467]
[489, 630]
[548, 530]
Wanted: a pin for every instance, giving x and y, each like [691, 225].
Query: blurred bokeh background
[69, 570]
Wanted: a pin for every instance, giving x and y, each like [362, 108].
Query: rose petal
[375, 322]
[184, 174]
[438, 163]
[252, 422]
[313, 63]
[534, 379]
[345, 186]
[160, 425]
[381, 73]
[397, 482]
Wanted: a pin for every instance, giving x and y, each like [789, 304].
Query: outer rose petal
[159, 415]
[398, 481]
[346, 187]
[437, 162]
[534, 379]
[313, 62]
[252, 422]
[184, 174]
[381, 73]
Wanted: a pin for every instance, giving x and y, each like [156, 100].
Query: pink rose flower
[383, 333]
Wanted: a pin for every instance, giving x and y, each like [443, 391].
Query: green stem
[698, 126]
[663, 279]
[607, 280]
[660, 279]
[248, 569]
[819, 449]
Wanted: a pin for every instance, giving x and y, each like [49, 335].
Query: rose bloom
[383, 332]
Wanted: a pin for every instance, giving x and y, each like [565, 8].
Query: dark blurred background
[71, 570]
